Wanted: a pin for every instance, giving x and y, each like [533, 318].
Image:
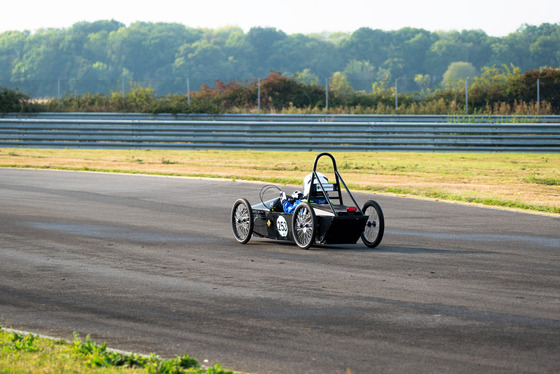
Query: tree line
[105, 56]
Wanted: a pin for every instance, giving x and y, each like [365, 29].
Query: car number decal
[282, 226]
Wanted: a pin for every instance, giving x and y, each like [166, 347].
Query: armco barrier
[294, 117]
[279, 132]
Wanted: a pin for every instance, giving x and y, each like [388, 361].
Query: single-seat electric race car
[320, 215]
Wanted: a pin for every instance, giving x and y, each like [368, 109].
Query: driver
[290, 204]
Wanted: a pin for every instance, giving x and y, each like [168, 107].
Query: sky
[495, 17]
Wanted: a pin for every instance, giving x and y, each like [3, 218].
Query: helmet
[307, 182]
[297, 195]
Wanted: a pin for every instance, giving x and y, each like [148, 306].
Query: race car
[320, 216]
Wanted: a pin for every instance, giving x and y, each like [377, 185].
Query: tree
[41, 63]
[298, 52]
[393, 68]
[262, 40]
[360, 74]
[306, 77]
[514, 48]
[12, 45]
[412, 49]
[424, 81]
[546, 50]
[203, 61]
[164, 55]
[478, 47]
[443, 52]
[366, 44]
[340, 86]
[458, 72]
[148, 50]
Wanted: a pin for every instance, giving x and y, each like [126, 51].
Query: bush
[502, 90]
[549, 86]
[13, 101]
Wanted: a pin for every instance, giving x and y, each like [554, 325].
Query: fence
[40, 89]
[281, 132]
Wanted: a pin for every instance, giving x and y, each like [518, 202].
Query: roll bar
[337, 188]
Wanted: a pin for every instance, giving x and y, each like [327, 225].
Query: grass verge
[20, 353]
[514, 180]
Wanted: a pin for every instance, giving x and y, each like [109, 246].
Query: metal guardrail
[279, 132]
[294, 117]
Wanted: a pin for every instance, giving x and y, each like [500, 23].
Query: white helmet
[297, 195]
[307, 182]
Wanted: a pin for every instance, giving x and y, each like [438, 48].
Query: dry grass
[526, 181]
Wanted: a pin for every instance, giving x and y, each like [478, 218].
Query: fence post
[188, 93]
[123, 96]
[259, 95]
[396, 94]
[538, 91]
[467, 96]
[58, 93]
[327, 93]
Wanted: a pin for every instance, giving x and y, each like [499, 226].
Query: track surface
[149, 264]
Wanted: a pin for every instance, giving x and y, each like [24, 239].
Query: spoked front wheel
[375, 225]
[242, 221]
[303, 225]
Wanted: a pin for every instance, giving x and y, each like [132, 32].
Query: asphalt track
[149, 264]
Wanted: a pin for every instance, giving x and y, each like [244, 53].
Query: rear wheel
[303, 225]
[242, 221]
[375, 225]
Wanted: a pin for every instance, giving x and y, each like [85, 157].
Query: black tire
[375, 225]
[242, 221]
[304, 225]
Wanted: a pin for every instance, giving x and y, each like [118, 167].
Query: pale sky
[495, 17]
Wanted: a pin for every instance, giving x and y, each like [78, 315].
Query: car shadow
[360, 247]
[390, 249]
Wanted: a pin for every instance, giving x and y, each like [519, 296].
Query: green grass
[543, 181]
[21, 353]
[527, 181]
